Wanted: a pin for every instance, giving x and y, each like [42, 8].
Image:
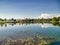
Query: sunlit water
[17, 31]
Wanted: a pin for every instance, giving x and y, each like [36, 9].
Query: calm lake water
[17, 31]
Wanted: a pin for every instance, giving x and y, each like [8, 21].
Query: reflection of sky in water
[46, 25]
[19, 31]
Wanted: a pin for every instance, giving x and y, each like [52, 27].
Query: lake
[18, 31]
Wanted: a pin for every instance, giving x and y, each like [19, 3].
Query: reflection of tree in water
[5, 25]
[1, 24]
[12, 24]
[56, 23]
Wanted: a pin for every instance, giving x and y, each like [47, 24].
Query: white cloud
[46, 15]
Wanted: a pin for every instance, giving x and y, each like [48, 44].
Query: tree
[5, 19]
[54, 19]
[59, 19]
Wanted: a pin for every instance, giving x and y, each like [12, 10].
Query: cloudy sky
[28, 8]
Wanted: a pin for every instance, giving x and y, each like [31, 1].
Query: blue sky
[28, 8]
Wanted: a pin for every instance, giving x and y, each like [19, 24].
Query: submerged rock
[36, 40]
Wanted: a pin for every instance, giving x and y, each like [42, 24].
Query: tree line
[28, 20]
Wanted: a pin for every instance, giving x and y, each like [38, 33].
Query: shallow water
[17, 31]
